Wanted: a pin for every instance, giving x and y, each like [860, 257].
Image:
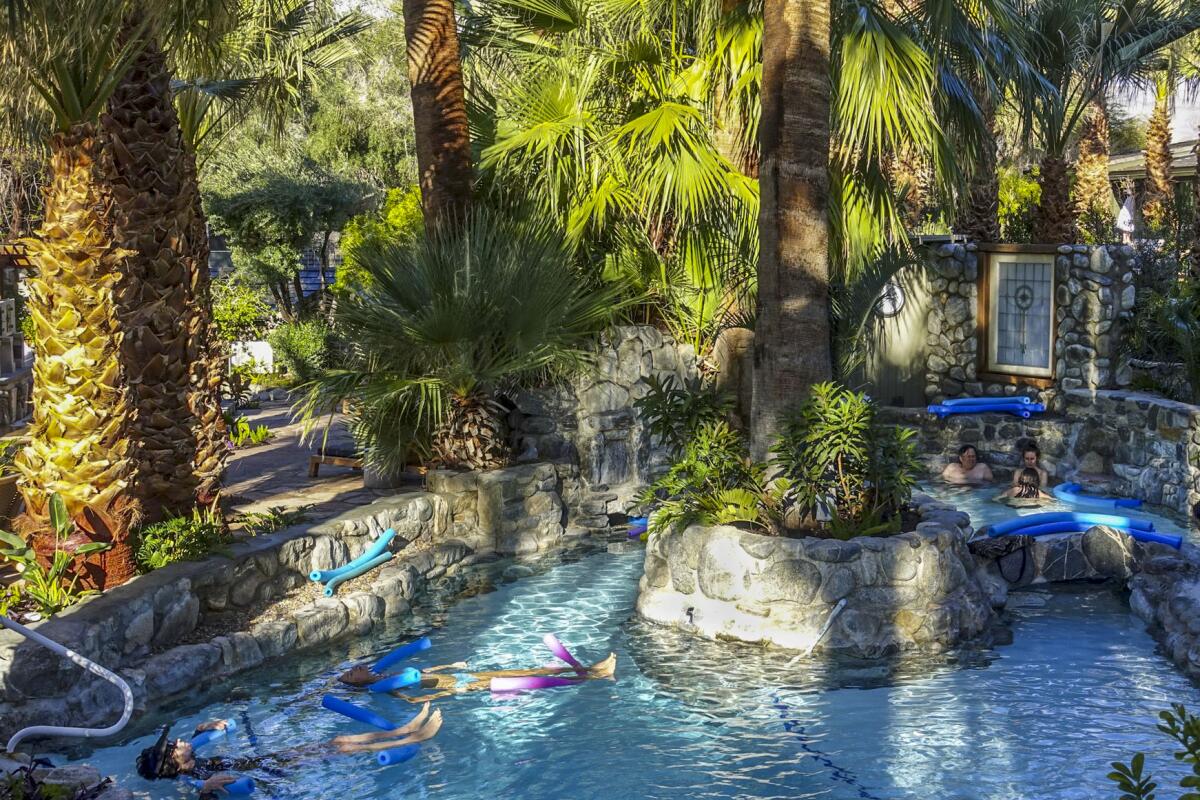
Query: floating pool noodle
[1111, 520]
[556, 647]
[1023, 410]
[638, 526]
[986, 401]
[409, 677]
[357, 713]
[207, 737]
[377, 547]
[1049, 528]
[240, 788]
[1071, 493]
[397, 755]
[402, 652]
[338, 580]
[531, 682]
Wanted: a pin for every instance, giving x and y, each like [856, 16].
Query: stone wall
[593, 425]
[909, 591]
[1122, 443]
[1094, 294]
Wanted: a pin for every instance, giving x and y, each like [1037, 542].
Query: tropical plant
[275, 518]
[52, 587]
[182, 538]
[1132, 779]
[304, 349]
[239, 311]
[446, 326]
[398, 221]
[1092, 192]
[844, 463]
[242, 434]
[1159, 198]
[1019, 200]
[672, 411]
[1166, 329]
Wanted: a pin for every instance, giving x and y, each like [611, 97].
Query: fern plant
[182, 538]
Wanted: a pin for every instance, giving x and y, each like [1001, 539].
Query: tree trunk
[1093, 197]
[979, 218]
[82, 426]
[1055, 223]
[443, 141]
[1157, 206]
[1196, 211]
[151, 220]
[792, 338]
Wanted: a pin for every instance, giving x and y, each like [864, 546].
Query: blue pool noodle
[377, 547]
[1047, 528]
[397, 755]
[986, 401]
[341, 578]
[357, 713]
[1023, 410]
[240, 788]
[402, 652]
[1070, 493]
[1111, 520]
[205, 737]
[409, 677]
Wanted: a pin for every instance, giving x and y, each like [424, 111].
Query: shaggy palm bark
[792, 340]
[1093, 197]
[1055, 223]
[81, 431]
[473, 436]
[443, 140]
[1196, 212]
[979, 217]
[1156, 208]
[152, 220]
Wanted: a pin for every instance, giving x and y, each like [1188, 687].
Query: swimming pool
[977, 501]
[688, 718]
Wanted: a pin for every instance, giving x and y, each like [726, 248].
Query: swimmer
[1029, 460]
[1026, 491]
[445, 684]
[968, 468]
[171, 759]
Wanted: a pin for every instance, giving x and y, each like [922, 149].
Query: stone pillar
[1094, 295]
[950, 369]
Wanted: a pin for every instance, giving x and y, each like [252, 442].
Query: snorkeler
[173, 759]
[445, 684]
[1026, 488]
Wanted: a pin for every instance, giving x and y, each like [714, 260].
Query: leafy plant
[399, 222]
[8, 453]
[241, 434]
[672, 411]
[239, 310]
[303, 348]
[275, 518]
[1166, 328]
[181, 538]
[1137, 784]
[844, 462]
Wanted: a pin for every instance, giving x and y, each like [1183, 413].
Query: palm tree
[83, 415]
[1159, 197]
[1092, 193]
[443, 137]
[792, 336]
[449, 324]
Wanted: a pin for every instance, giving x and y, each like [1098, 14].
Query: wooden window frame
[984, 369]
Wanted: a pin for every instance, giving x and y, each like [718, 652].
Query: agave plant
[450, 323]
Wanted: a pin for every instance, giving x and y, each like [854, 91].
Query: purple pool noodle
[531, 682]
[556, 647]
[409, 677]
[397, 755]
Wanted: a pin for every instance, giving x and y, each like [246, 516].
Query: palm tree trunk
[1093, 196]
[443, 141]
[1055, 223]
[1157, 206]
[1196, 211]
[82, 428]
[152, 220]
[979, 218]
[792, 339]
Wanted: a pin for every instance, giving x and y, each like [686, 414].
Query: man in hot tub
[968, 469]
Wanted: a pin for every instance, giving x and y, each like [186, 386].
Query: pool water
[686, 718]
[977, 501]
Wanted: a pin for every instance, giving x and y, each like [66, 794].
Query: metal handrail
[90, 666]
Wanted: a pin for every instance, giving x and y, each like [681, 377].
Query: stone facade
[1094, 294]
[909, 591]
[1123, 443]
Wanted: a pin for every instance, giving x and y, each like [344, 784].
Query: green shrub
[240, 311]
[1135, 783]
[275, 518]
[302, 348]
[840, 458]
[400, 222]
[181, 538]
[1019, 197]
[672, 412]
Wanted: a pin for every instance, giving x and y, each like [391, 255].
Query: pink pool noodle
[531, 682]
[557, 648]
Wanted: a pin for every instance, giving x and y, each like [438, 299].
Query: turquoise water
[977, 501]
[685, 718]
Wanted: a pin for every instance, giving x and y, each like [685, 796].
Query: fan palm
[449, 324]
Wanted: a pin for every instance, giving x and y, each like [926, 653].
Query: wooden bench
[338, 458]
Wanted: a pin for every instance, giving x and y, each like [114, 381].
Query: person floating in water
[968, 468]
[1026, 491]
[443, 683]
[1029, 460]
[173, 759]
